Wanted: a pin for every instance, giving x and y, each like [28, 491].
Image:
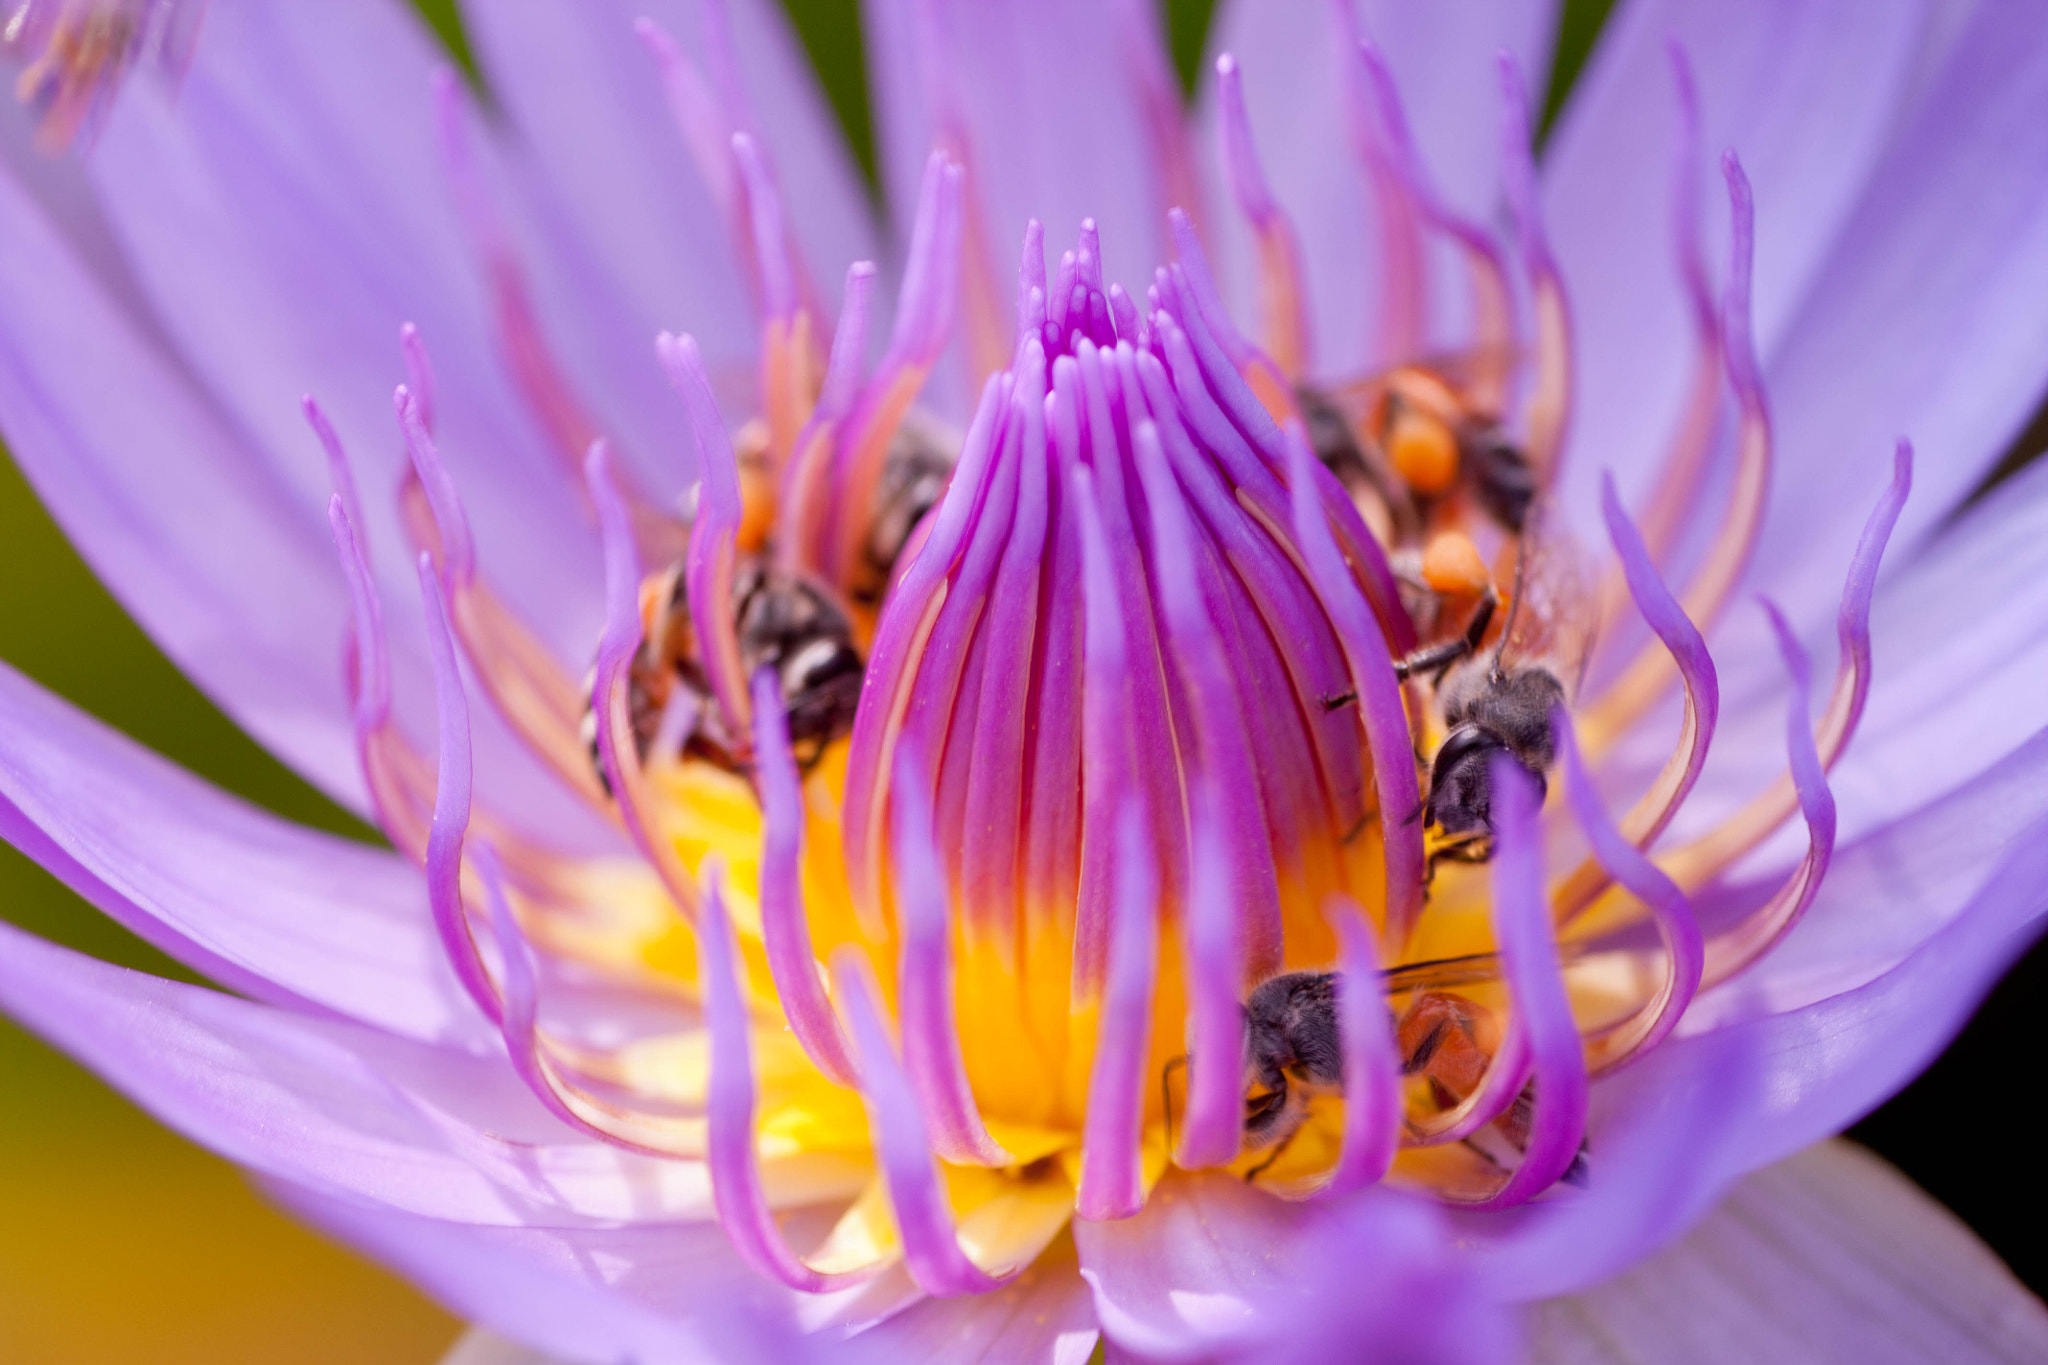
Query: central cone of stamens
[1110, 608]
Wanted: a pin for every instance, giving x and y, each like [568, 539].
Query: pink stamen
[713, 556]
[928, 1021]
[931, 1245]
[456, 549]
[1371, 666]
[1655, 809]
[1733, 949]
[419, 372]
[924, 313]
[1372, 1059]
[772, 256]
[899, 652]
[451, 806]
[1161, 111]
[1216, 703]
[804, 498]
[734, 1160]
[1215, 975]
[1622, 857]
[1492, 301]
[520, 675]
[706, 131]
[1403, 275]
[994, 752]
[621, 639]
[1729, 555]
[785, 931]
[399, 782]
[1112, 1156]
[1684, 462]
[1547, 410]
[1283, 301]
[1542, 1008]
[1837, 726]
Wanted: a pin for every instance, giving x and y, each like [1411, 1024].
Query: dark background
[120, 1242]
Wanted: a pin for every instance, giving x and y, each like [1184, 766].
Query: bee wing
[1465, 371]
[1553, 619]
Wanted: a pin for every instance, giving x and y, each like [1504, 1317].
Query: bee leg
[1435, 660]
[1251, 1177]
[1337, 701]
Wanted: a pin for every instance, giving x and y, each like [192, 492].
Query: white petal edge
[1830, 1255]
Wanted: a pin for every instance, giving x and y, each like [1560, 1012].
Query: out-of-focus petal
[1442, 56]
[1049, 103]
[581, 1296]
[177, 514]
[1919, 323]
[275, 911]
[1830, 1255]
[335, 1106]
[285, 213]
[583, 93]
[1193, 1266]
[608, 1296]
[1381, 1277]
[1043, 1317]
[1803, 95]
[479, 1347]
[1902, 226]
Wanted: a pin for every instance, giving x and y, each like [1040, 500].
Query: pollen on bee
[1424, 451]
[1451, 565]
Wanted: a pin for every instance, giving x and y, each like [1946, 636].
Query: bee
[1294, 1051]
[784, 622]
[915, 471]
[1407, 442]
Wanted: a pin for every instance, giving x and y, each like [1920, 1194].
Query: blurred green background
[120, 1242]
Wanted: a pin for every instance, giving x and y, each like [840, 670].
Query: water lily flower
[1327, 769]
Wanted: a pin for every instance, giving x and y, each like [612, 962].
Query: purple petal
[1013, 87]
[1830, 1255]
[599, 1295]
[1292, 61]
[574, 78]
[1808, 141]
[1700, 1111]
[174, 511]
[1191, 1267]
[277, 912]
[286, 213]
[1380, 1278]
[335, 1106]
[1043, 1317]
